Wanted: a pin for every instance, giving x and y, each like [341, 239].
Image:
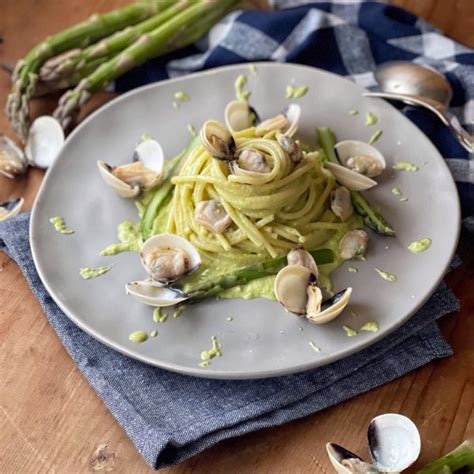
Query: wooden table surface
[52, 421]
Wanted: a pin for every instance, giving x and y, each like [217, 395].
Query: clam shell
[121, 188]
[237, 115]
[45, 141]
[331, 308]
[10, 208]
[350, 179]
[336, 454]
[394, 442]
[153, 294]
[171, 241]
[12, 160]
[290, 288]
[349, 148]
[150, 153]
[217, 140]
[293, 114]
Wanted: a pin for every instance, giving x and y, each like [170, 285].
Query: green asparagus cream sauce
[60, 225]
[314, 346]
[420, 245]
[138, 337]
[295, 92]
[371, 119]
[130, 240]
[375, 137]
[239, 85]
[214, 351]
[159, 316]
[350, 332]
[353, 112]
[390, 277]
[181, 96]
[352, 269]
[88, 273]
[405, 166]
[371, 326]
[154, 333]
[253, 69]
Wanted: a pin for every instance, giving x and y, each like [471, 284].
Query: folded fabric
[169, 416]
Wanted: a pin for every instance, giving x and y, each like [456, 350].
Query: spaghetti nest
[271, 213]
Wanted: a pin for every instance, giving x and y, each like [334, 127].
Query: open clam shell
[290, 288]
[169, 257]
[394, 442]
[217, 140]
[250, 162]
[143, 173]
[350, 179]
[345, 461]
[331, 308]
[10, 208]
[153, 294]
[237, 115]
[12, 160]
[371, 163]
[45, 141]
[286, 122]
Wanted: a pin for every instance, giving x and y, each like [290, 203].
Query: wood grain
[51, 420]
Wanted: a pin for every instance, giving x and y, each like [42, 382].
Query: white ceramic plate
[262, 340]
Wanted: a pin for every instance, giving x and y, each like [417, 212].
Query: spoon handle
[462, 135]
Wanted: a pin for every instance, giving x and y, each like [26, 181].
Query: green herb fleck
[181, 96]
[371, 326]
[353, 112]
[375, 136]
[352, 269]
[239, 84]
[371, 119]
[138, 337]
[295, 92]
[214, 351]
[154, 333]
[405, 166]
[253, 69]
[60, 225]
[314, 346]
[350, 332]
[420, 245]
[179, 311]
[89, 273]
[397, 192]
[390, 277]
[159, 316]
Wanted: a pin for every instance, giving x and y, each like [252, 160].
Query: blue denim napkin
[170, 417]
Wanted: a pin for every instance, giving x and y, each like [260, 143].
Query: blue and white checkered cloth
[171, 417]
[350, 38]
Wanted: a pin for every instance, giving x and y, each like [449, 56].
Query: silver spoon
[419, 85]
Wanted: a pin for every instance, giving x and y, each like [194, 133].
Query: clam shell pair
[297, 291]
[360, 162]
[144, 173]
[394, 445]
[45, 140]
[10, 208]
[166, 258]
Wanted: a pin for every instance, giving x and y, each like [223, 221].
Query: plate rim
[219, 373]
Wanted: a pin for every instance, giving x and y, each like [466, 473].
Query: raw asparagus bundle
[25, 75]
[371, 216]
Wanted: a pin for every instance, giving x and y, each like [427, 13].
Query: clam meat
[250, 162]
[212, 215]
[144, 173]
[360, 157]
[341, 203]
[291, 147]
[287, 122]
[217, 140]
[353, 244]
[12, 160]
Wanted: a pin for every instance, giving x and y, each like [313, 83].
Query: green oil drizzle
[350, 332]
[88, 273]
[159, 316]
[138, 337]
[375, 136]
[60, 225]
[214, 351]
[420, 245]
[371, 119]
[390, 277]
[314, 346]
[295, 92]
[239, 85]
[371, 326]
[405, 166]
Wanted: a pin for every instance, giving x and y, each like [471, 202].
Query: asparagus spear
[462, 456]
[149, 45]
[371, 216]
[215, 287]
[25, 76]
[70, 62]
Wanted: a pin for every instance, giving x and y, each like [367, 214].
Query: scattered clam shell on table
[10, 208]
[394, 445]
[13, 161]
